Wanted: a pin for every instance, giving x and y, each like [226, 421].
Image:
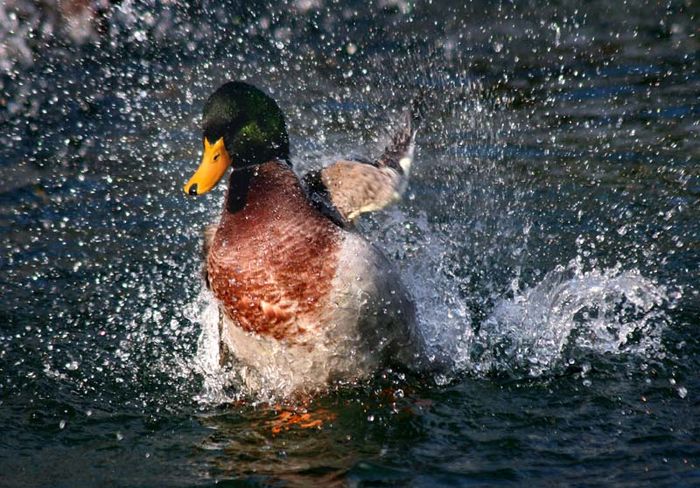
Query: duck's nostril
[193, 189]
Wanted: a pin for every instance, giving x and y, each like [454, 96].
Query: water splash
[219, 382]
[466, 257]
[531, 332]
[462, 236]
[541, 329]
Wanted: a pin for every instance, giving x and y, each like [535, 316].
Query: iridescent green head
[242, 127]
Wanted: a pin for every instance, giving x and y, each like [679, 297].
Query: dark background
[549, 236]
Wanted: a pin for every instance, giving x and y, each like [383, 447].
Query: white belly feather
[370, 321]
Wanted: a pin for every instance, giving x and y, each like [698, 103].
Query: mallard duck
[304, 299]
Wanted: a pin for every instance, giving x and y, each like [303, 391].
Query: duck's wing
[348, 188]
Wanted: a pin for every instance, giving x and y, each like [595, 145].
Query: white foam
[219, 383]
[604, 311]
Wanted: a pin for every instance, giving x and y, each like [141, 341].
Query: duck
[305, 301]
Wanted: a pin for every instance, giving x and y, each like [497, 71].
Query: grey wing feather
[350, 188]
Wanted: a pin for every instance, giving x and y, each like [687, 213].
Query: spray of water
[493, 295]
[541, 329]
[465, 257]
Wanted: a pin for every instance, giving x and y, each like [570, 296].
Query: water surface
[549, 236]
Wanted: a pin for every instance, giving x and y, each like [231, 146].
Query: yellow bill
[215, 161]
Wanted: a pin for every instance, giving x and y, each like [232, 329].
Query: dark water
[549, 236]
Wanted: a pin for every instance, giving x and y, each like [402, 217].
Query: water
[549, 237]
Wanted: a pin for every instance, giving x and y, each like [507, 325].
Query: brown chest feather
[272, 262]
